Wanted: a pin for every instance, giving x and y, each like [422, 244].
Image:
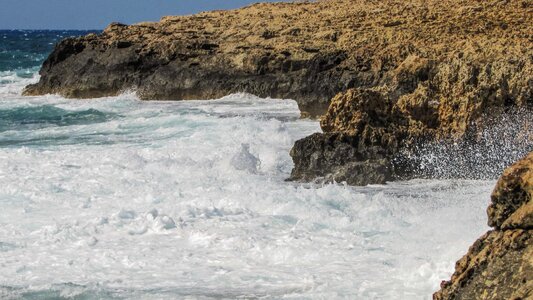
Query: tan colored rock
[446, 95]
[512, 199]
[439, 100]
[500, 264]
[521, 218]
[307, 51]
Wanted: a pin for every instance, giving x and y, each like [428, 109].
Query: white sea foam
[11, 84]
[188, 199]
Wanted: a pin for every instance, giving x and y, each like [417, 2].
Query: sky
[97, 14]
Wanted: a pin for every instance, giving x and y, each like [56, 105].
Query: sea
[117, 198]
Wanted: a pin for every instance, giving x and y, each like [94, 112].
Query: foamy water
[119, 198]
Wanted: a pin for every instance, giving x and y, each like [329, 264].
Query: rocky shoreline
[399, 74]
[388, 78]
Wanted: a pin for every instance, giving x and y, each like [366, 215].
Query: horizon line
[47, 29]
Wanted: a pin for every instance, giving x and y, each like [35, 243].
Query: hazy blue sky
[97, 14]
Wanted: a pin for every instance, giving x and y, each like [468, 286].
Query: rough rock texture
[449, 87]
[402, 71]
[336, 151]
[454, 101]
[500, 264]
[305, 51]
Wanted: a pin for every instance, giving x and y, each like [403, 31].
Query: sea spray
[483, 153]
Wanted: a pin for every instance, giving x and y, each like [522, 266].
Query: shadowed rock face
[340, 157]
[500, 264]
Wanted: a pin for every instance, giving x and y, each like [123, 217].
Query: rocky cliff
[500, 264]
[454, 105]
[400, 72]
[446, 85]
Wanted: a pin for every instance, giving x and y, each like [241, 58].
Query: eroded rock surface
[500, 264]
[303, 51]
[400, 72]
[451, 89]
[458, 101]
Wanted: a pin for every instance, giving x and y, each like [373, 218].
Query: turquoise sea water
[115, 198]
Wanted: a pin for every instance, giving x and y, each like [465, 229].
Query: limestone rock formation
[500, 264]
[453, 101]
[400, 72]
[449, 91]
[304, 51]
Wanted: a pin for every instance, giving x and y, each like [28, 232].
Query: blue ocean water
[25, 50]
[116, 198]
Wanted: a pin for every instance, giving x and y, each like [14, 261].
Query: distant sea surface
[24, 51]
[117, 198]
